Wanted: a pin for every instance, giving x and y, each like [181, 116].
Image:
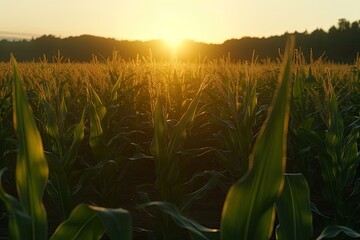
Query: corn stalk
[27, 214]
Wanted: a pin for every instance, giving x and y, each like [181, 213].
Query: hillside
[340, 44]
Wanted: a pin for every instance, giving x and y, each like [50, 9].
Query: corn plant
[63, 154]
[303, 117]
[5, 115]
[27, 215]
[237, 120]
[110, 140]
[249, 208]
[166, 147]
[338, 155]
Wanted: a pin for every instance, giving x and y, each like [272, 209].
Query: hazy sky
[201, 20]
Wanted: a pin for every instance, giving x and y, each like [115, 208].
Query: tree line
[340, 44]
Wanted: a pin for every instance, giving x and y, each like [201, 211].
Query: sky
[210, 21]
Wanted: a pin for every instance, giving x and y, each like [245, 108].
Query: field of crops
[170, 150]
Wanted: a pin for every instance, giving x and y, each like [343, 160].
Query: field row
[216, 141]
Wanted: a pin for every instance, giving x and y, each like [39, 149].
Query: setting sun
[173, 43]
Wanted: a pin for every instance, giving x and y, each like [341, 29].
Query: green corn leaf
[293, 209]
[178, 136]
[90, 222]
[179, 132]
[85, 176]
[116, 87]
[63, 109]
[117, 222]
[78, 137]
[97, 114]
[334, 140]
[192, 226]
[214, 179]
[356, 188]
[159, 148]
[248, 211]
[351, 157]
[334, 136]
[96, 131]
[19, 221]
[298, 88]
[58, 187]
[51, 127]
[333, 231]
[99, 106]
[31, 166]
[119, 83]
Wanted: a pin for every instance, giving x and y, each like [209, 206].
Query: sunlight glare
[173, 43]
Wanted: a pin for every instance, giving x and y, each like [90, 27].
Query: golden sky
[173, 20]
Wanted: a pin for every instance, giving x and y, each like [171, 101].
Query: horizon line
[10, 35]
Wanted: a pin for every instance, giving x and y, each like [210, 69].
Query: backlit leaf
[248, 212]
[31, 166]
[293, 209]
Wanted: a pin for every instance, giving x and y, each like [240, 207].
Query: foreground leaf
[293, 209]
[90, 222]
[248, 211]
[31, 166]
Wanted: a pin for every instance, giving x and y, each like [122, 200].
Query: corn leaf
[100, 108]
[117, 222]
[159, 145]
[214, 179]
[58, 186]
[179, 133]
[52, 128]
[331, 168]
[19, 220]
[351, 157]
[78, 137]
[63, 109]
[293, 209]
[31, 166]
[248, 211]
[97, 114]
[192, 226]
[333, 231]
[89, 222]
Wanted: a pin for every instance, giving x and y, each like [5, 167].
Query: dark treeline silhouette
[339, 44]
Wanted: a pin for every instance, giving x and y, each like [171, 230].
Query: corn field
[171, 150]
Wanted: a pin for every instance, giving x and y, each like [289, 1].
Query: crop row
[163, 139]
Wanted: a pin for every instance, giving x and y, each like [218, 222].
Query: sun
[173, 43]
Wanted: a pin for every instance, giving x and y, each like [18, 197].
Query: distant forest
[340, 44]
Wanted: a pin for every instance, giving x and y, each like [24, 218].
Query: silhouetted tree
[341, 44]
[344, 24]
